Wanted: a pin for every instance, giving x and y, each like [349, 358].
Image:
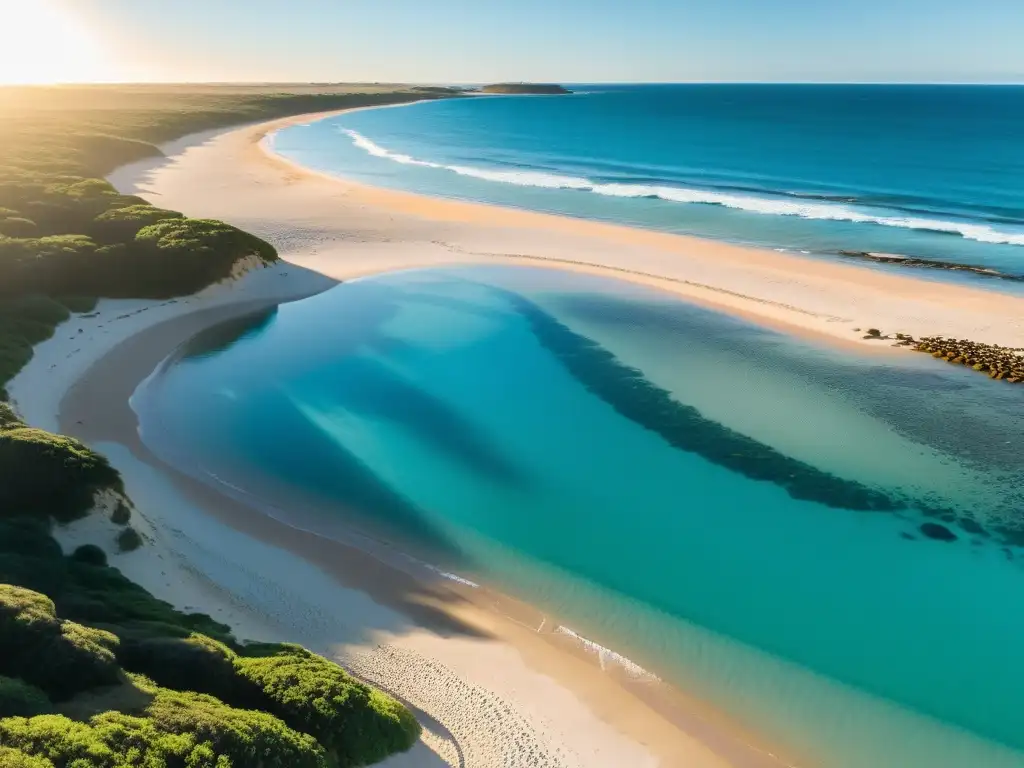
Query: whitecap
[607, 655]
[804, 209]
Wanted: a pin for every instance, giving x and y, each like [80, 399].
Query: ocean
[826, 546]
[927, 172]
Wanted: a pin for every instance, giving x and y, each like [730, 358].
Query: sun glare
[43, 43]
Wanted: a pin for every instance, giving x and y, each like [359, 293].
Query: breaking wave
[803, 208]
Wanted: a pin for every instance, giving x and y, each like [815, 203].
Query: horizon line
[451, 84]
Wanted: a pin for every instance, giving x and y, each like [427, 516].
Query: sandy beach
[492, 680]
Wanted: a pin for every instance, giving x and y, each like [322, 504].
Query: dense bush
[49, 475]
[177, 256]
[33, 309]
[246, 737]
[175, 730]
[79, 304]
[29, 556]
[58, 656]
[24, 321]
[119, 225]
[7, 416]
[121, 515]
[90, 554]
[128, 540]
[105, 597]
[193, 663]
[13, 758]
[89, 594]
[355, 723]
[19, 699]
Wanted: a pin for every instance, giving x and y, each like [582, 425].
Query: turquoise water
[758, 541]
[926, 171]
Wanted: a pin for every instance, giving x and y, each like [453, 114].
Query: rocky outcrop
[998, 362]
[536, 89]
[1001, 363]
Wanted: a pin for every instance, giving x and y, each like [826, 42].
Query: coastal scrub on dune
[66, 232]
[94, 670]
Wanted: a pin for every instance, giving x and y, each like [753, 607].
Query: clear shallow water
[466, 414]
[927, 171]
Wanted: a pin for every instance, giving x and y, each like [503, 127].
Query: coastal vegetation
[66, 232]
[94, 670]
[52, 476]
[87, 656]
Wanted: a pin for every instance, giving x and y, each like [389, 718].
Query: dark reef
[914, 261]
[938, 532]
[626, 390]
[683, 427]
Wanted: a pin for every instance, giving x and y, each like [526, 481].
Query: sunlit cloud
[45, 42]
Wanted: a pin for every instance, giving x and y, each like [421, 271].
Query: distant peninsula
[538, 89]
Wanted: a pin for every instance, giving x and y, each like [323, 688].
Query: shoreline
[950, 309]
[671, 727]
[330, 229]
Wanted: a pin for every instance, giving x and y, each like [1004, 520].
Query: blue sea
[825, 546]
[930, 172]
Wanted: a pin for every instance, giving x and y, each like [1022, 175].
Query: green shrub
[193, 663]
[179, 256]
[246, 737]
[356, 724]
[128, 540]
[121, 515]
[55, 264]
[29, 556]
[60, 657]
[24, 321]
[51, 475]
[119, 225]
[175, 730]
[33, 308]
[79, 304]
[89, 554]
[104, 596]
[7, 416]
[58, 739]
[13, 758]
[19, 699]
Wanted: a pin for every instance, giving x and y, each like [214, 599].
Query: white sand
[342, 228]
[493, 692]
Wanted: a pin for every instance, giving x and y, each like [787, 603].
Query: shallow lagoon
[498, 422]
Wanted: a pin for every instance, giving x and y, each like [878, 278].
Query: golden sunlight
[43, 43]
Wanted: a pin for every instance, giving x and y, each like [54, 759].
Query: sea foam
[607, 656]
[750, 203]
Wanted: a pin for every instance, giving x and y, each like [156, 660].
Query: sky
[475, 41]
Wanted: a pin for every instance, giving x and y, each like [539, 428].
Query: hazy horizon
[600, 42]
